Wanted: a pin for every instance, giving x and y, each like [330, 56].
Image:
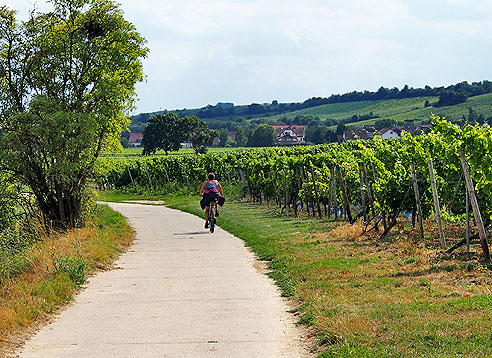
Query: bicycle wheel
[211, 218]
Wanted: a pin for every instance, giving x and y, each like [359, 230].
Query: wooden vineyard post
[148, 177]
[167, 175]
[345, 197]
[311, 195]
[245, 184]
[285, 187]
[227, 173]
[279, 191]
[368, 187]
[417, 200]
[376, 179]
[299, 187]
[330, 195]
[467, 238]
[129, 173]
[301, 170]
[291, 190]
[476, 209]
[186, 176]
[274, 184]
[362, 194]
[437, 206]
[334, 192]
[315, 191]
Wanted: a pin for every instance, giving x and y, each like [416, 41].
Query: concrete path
[179, 292]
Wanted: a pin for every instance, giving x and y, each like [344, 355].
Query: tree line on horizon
[450, 95]
[168, 131]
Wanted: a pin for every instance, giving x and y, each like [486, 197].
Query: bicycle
[211, 214]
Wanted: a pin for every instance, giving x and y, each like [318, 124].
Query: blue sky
[244, 51]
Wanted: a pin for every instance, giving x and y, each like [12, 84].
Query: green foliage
[199, 134]
[8, 200]
[262, 136]
[15, 242]
[124, 142]
[13, 265]
[226, 115]
[241, 138]
[275, 173]
[164, 131]
[74, 267]
[82, 61]
[450, 98]
[223, 137]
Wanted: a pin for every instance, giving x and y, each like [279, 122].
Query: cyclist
[210, 189]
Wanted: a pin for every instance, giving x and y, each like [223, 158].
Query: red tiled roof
[299, 130]
[135, 138]
[357, 133]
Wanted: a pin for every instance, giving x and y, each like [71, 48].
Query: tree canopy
[67, 83]
[168, 131]
[199, 134]
[164, 131]
[262, 136]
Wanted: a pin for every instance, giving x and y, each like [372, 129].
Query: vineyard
[378, 181]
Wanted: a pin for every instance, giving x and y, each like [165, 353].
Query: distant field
[410, 110]
[332, 111]
[481, 104]
[383, 108]
[401, 110]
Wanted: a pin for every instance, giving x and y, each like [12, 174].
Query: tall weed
[74, 267]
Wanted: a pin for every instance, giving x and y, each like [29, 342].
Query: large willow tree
[67, 84]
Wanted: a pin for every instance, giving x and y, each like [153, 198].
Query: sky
[256, 51]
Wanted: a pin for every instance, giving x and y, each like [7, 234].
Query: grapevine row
[364, 178]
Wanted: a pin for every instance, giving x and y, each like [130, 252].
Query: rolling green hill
[354, 109]
[381, 108]
[400, 110]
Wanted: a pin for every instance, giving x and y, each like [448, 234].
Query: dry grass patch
[400, 293]
[58, 264]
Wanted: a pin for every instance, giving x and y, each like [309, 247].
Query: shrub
[8, 202]
[75, 267]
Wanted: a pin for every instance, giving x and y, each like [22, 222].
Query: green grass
[401, 110]
[383, 109]
[366, 298]
[119, 196]
[332, 111]
[44, 277]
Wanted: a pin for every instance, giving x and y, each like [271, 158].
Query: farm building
[387, 133]
[290, 134]
[135, 139]
[357, 133]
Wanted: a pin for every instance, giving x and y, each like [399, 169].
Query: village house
[232, 135]
[357, 133]
[424, 128]
[135, 139]
[387, 133]
[290, 134]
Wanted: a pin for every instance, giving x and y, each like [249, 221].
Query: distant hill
[354, 108]
[409, 110]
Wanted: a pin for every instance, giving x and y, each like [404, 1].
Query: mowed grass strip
[57, 266]
[363, 297]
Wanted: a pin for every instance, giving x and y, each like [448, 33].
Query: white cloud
[206, 51]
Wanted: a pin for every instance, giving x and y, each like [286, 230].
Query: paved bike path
[178, 292]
